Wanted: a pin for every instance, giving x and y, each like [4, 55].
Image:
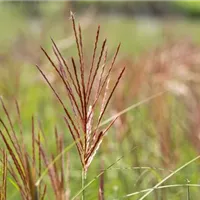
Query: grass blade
[169, 176]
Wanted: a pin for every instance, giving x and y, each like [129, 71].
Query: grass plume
[86, 93]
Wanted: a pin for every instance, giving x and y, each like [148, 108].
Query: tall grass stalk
[89, 92]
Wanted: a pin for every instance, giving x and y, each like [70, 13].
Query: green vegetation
[152, 147]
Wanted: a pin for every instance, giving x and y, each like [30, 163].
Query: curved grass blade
[131, 107]
[169, 176]
[160, 187]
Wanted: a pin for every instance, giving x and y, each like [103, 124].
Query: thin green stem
[188, 190]
[83, 184]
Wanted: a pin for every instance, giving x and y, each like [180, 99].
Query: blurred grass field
[164, 130]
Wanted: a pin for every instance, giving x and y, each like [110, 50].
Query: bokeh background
[161, 50]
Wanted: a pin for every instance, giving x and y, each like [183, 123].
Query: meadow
[151, 148]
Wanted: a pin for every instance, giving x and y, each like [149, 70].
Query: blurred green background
[161, 49]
